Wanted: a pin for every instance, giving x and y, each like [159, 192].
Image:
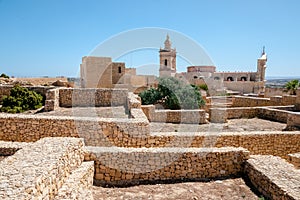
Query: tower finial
[263, 52]
[168, 43]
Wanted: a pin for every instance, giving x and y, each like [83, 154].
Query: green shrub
[21, 99]
[173, 94]
[292, 86]
[4, 76]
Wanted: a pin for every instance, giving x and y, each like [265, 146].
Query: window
[120, 70]
[195, 77]
[244, 78]
[229, 78]
[216, 78]
[166, 62]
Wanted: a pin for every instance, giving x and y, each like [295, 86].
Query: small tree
[292, 86]
[4, 76]
[173, 94]
[21, 99]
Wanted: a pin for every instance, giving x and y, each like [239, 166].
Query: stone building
[101, 72]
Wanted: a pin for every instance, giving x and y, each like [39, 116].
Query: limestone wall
[242, 101]
[274, 113]
[69, 97]
[95, 131]
[119, 166]
[269, 92]
[273, 177]
[38, 170]
[174, 116]
[293, 120]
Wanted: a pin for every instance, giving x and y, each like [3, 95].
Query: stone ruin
[61, 157]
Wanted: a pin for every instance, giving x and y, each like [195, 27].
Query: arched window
[216, 78]
[229, 78]
[120, 70]
[166, 62]
[195, 77]
[243, 78]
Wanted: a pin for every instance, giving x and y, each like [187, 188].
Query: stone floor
[104, 112]
[234, 189]
[234, 125]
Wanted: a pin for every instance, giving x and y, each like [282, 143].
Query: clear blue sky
[49, 37]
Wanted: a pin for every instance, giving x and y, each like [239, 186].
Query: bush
[4, 76]
[173, 94]
[21, 99]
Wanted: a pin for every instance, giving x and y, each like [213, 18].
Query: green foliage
[4, 76]
[150, 96]
[21, 99]
[173, 94]
[292, 86]
[202, 86]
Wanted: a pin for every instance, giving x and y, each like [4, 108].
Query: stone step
[274, 177]
[39, 169]
[121, 166]
[78, 184]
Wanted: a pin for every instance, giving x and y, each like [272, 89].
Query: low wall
[38, 170]
[174, 116]
[274, 113]
[95, 131]
[294, 158]
[72, 97]
[119, 166]
[273, 177]
[242, 101]
[293, 121]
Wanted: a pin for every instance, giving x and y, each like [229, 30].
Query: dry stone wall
[273, 177]
[174, 116]
[40, 169]
[95, 131]
[119, 166]
[72, 97]
[242, 101]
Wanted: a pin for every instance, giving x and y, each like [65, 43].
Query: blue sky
[49, 37]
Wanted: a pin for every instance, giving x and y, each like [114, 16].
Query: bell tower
[167, 57]
[261, 66]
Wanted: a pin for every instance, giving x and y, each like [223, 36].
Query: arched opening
[195, 77]
[243, 78]
[166, 62]
[217, 78]
[120, 70]
[229, 78]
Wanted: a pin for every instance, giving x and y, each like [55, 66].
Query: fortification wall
[127, 166]
[174, 116]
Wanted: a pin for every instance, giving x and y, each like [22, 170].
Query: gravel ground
[232, 189]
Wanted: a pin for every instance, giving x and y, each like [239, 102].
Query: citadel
[100, 135]
[102, 72]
